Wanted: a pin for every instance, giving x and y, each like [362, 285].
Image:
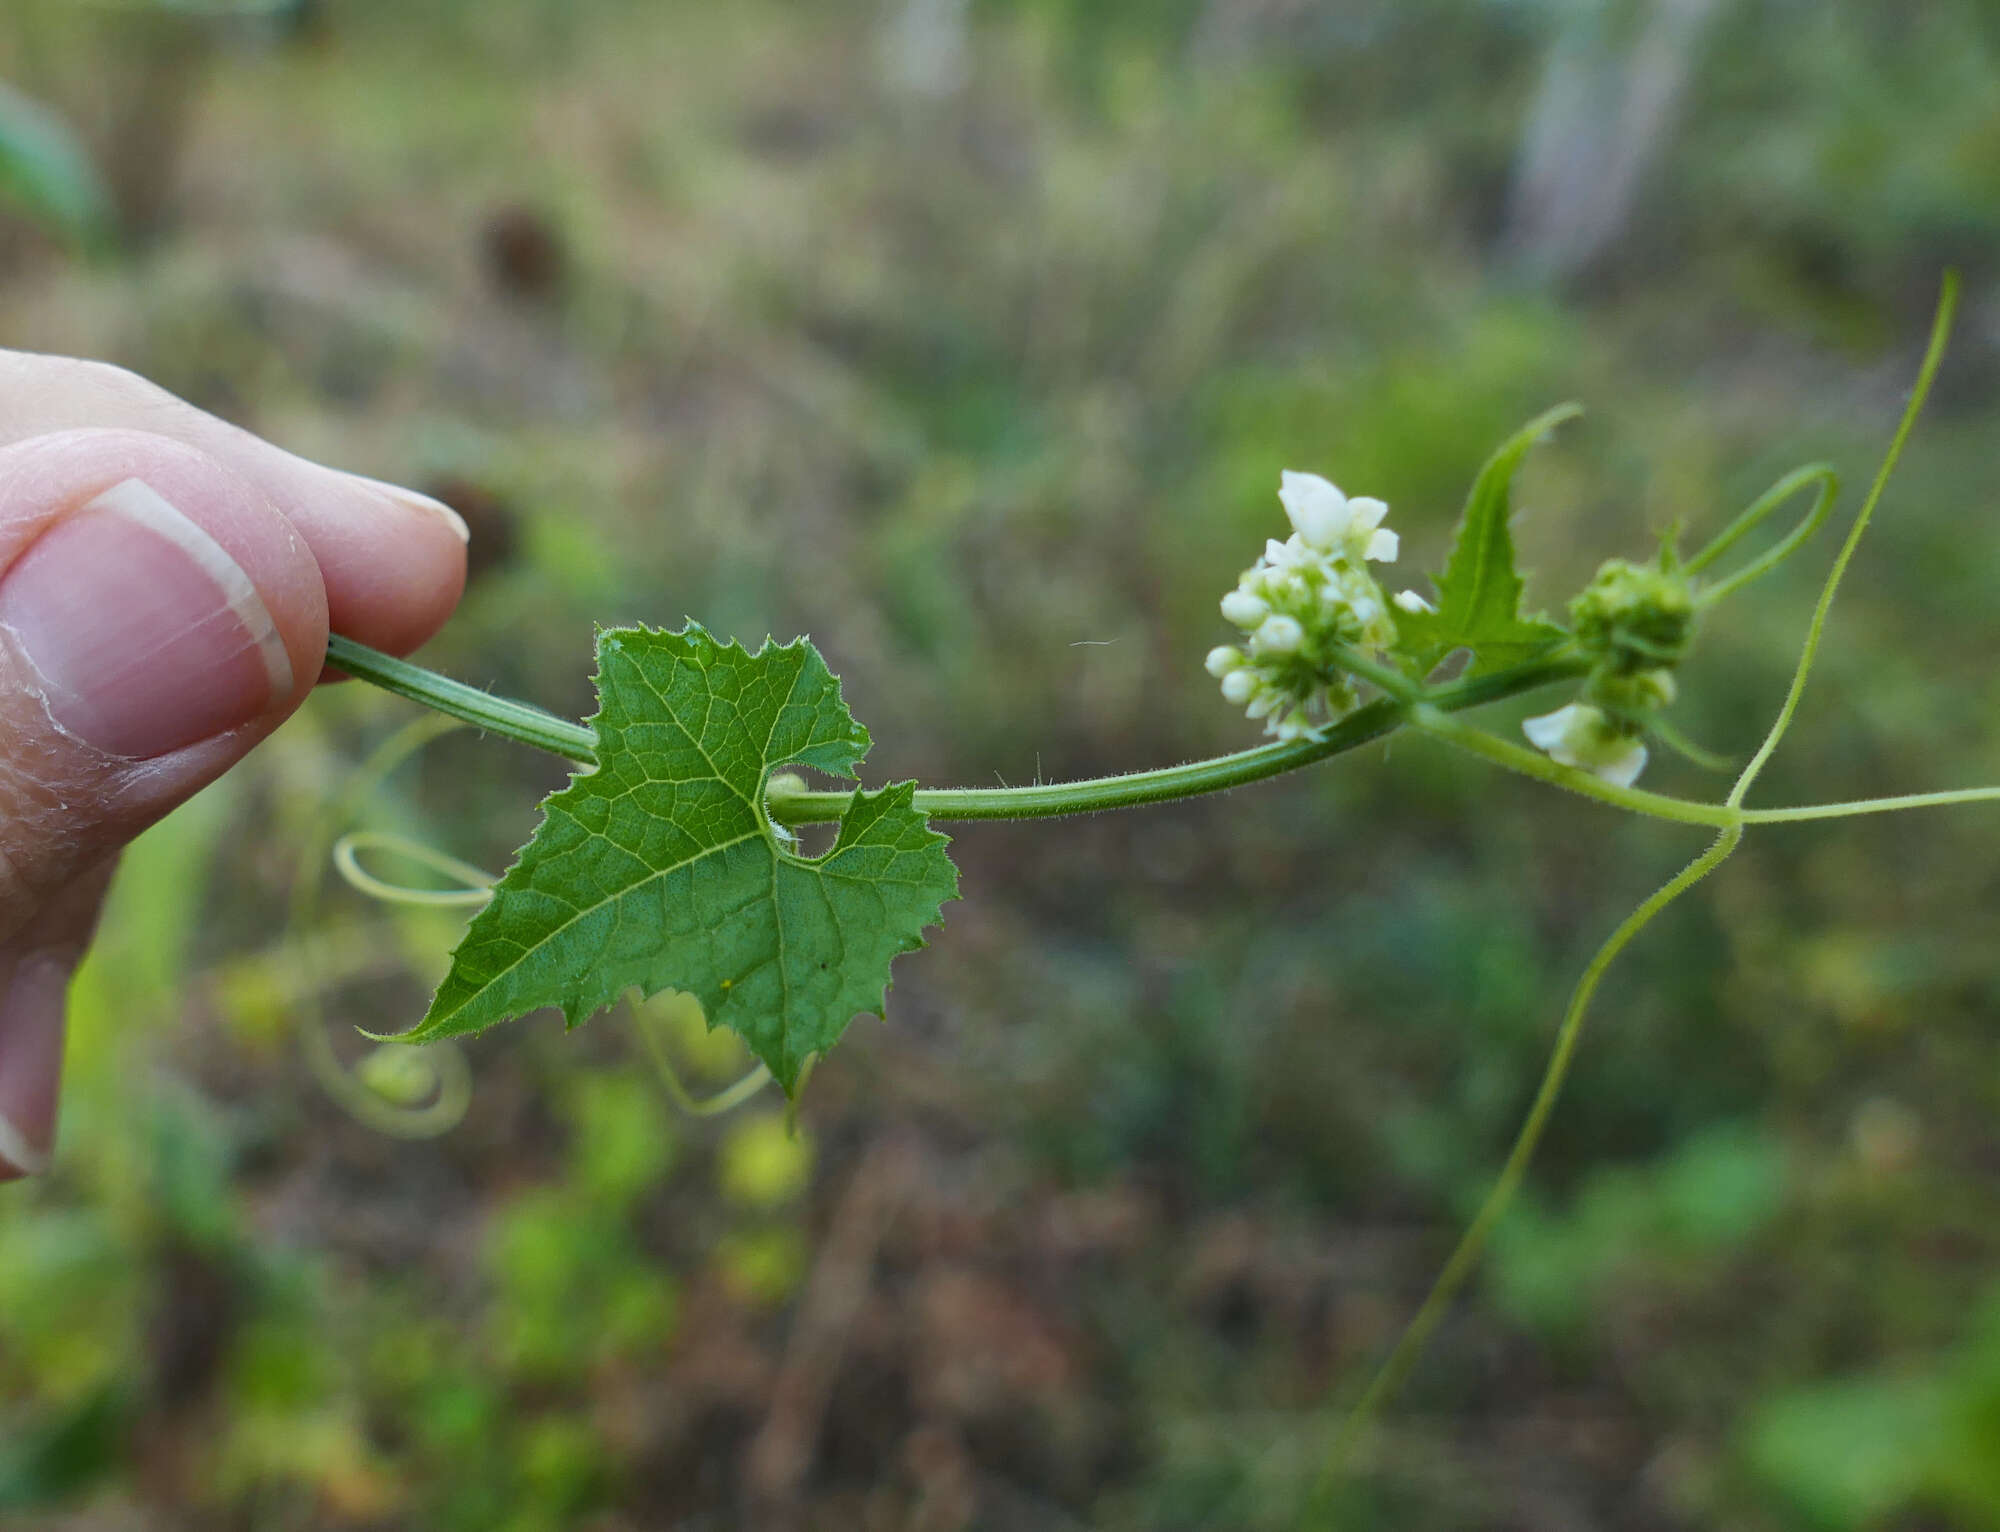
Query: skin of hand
[167, 583]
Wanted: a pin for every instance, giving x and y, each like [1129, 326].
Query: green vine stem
[528, 725]
[513, 720]
[1428, 710]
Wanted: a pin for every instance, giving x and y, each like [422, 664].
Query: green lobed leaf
[660, 869]
[1479, 593]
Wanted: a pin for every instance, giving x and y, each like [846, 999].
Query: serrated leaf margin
[1479, 592]
[836, 756]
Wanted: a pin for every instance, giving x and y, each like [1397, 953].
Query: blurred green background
[970, 339]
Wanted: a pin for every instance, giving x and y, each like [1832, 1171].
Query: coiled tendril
[403, 1091]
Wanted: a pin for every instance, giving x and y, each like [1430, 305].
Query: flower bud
[1279, 635]
[1244, 609]
[1642, 691]
[1634, 617]
[1222, 659]
[1294, 725]
[1238, 686]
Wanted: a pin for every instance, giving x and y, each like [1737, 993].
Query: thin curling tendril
[1471, 1245]
[349, 849]
[477, 888]
[725, 1100]
[1817, 476]
[387, 1091]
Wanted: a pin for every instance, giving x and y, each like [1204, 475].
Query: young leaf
[661, 869]
[1479, 593]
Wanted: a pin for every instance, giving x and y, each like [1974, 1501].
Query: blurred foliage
[46, 175]
[970, 338]
[1850, 1453]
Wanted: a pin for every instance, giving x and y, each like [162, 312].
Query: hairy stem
[1799, 813]
[1532, 763]
[544, 731]
[496, 715]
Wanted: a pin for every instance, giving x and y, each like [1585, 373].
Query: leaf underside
[1479, 593]
[660, 869]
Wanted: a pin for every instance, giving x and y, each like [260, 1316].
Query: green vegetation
[983, 378]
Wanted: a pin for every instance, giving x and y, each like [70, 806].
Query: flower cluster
[1634, 622]
[1303, 601]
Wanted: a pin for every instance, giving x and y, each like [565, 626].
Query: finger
[393, 560]
[34, 984]
[158, 617]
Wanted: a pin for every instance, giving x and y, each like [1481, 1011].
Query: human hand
[167, 582]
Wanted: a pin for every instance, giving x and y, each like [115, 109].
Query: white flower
[1364, 518]
[1222, 659]
[1409, 601]
[1244, 609]
[1318, 510]
[1329, 523]
[1580, 735]
[1239, 686]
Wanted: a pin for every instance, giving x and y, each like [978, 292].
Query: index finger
[393, 560]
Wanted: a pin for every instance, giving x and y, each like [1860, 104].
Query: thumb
[35, 970]
[158, 617]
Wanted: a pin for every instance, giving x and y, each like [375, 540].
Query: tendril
[1465, 1256]
[725, 1100]
[348, 850]
[1472, 1244]
[1819, 475]
[395, 1089]
[382, 1089]
[1809, 651]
